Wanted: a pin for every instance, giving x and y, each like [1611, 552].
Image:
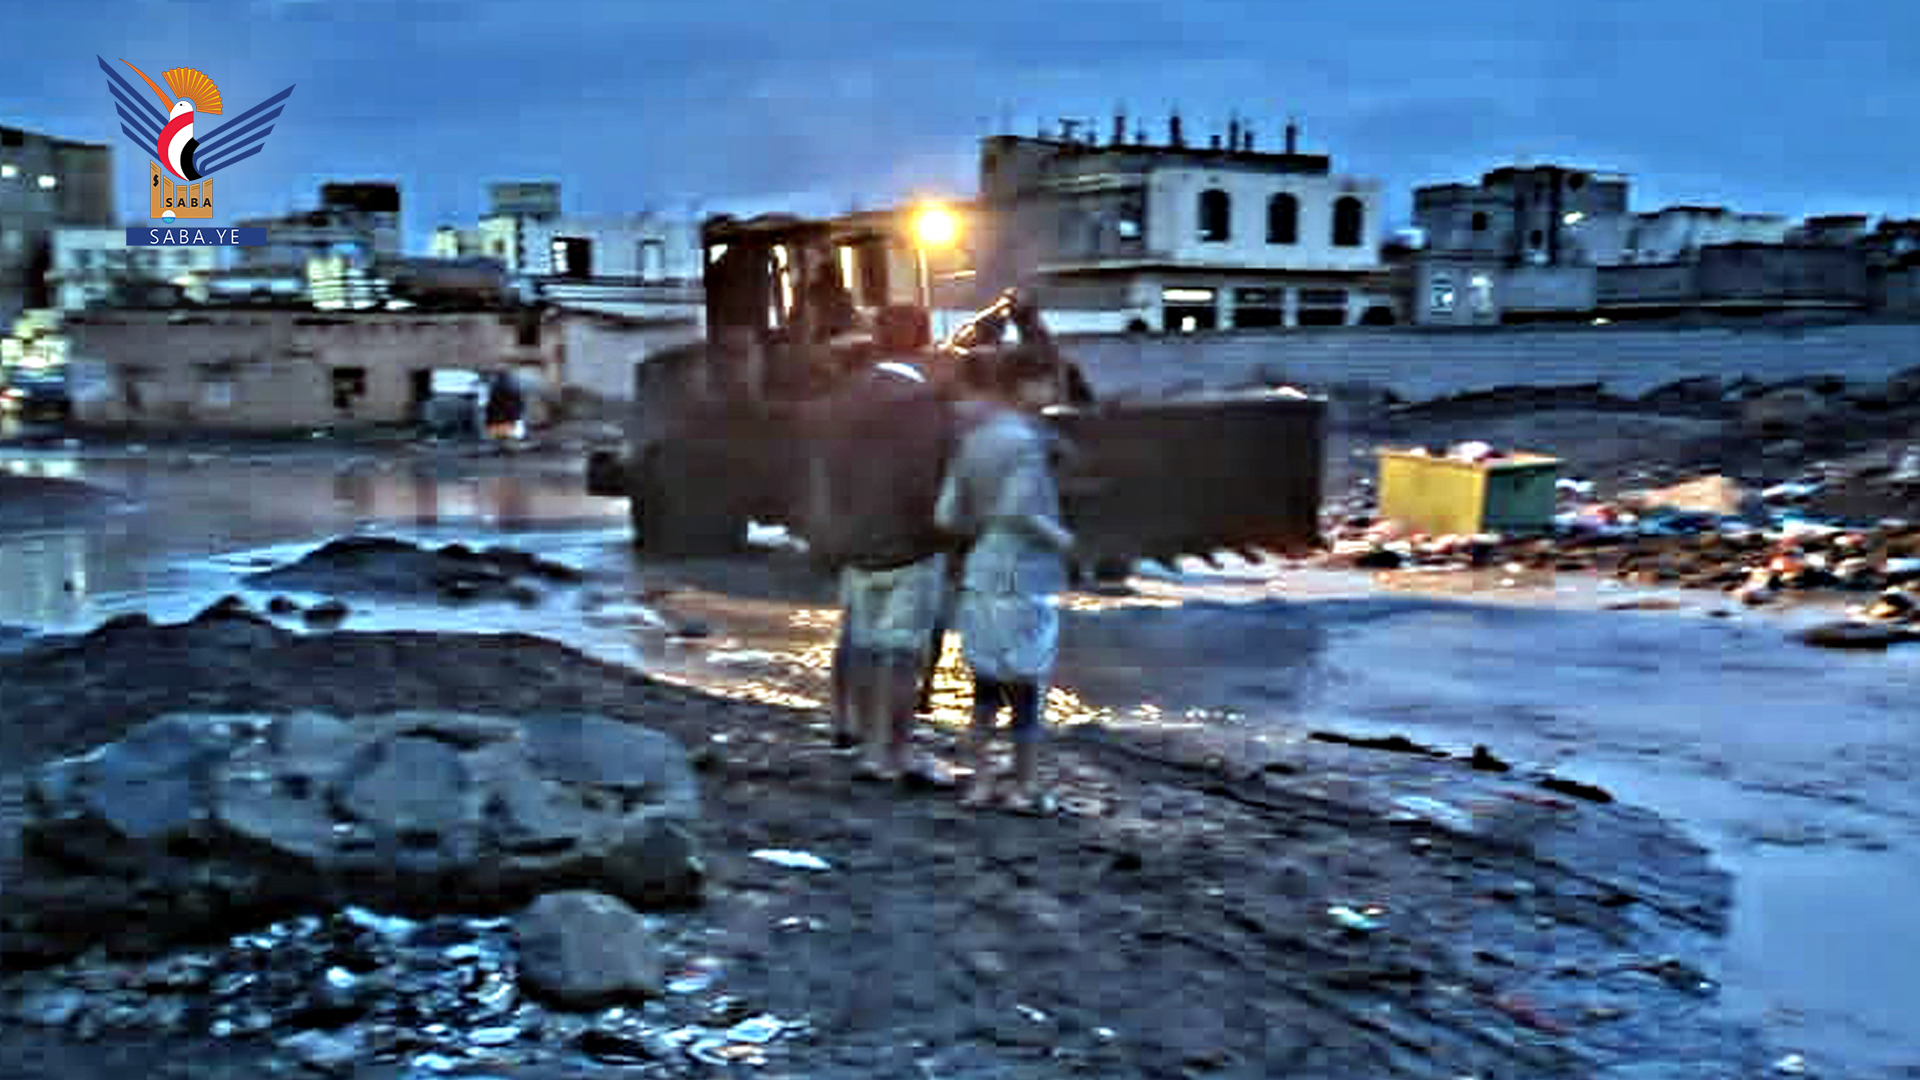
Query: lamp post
[934, 226]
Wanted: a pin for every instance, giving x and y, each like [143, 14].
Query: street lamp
[934, 226]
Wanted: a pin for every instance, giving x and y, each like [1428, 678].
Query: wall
[616, 245]
[1420, 363]
[1545, 288]
[1173, 220]
[275, 370]
[599, 355]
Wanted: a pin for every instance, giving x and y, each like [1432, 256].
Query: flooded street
[1793, 764]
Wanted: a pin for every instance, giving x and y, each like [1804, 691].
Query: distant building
[1129, 234]
[1551, 242]
[1678, 233]
[46, 183]
[359, 220]
[94, 267]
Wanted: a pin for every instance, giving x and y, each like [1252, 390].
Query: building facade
[46, 183]
[1130, 235]
[284, 369]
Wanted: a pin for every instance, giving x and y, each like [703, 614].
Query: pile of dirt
[1311, 910]
[383, 567]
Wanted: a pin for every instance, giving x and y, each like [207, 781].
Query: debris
[1791, 1065]
[696, 976]
[1354, 921]
[759, 1029]
[1032, 1014]
[792, 860]
[1575, 788]
[1397, 744]
[1483, 760]
[715, 1050]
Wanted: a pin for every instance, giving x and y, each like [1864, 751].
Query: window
[48, 183]
[1188, 310]
[1322, 307]
[83, 258]
[572, 256]
[1283, 219]
[1216, 216]
[1348, 221]
[349, 385]
[1440, 296]
[1480, 221]
[653, 260]
[1536, 238]
[1481, 286]
[1258, 308]
[9, 170]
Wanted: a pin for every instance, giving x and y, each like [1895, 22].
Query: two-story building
[1129, 235]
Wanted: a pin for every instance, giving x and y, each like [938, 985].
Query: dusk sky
[1778, 106]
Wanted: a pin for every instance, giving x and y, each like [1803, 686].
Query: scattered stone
[1857, 635]
[1784, 410]
[283, 605]
[1396, 744]
[328, 1052]
[227, 606]
[327, 613]
[587, 950]
[1484, 760]
[1576, 789]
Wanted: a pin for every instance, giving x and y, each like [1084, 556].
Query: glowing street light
[934, 226]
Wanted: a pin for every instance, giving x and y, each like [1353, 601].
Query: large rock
[194, 822]
[587, 950]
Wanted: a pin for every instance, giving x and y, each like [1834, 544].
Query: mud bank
[1312, 910]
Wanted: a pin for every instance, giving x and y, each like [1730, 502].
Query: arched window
[1216, 216]
[1283, 219]
[1348, 217]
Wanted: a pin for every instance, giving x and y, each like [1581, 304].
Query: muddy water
[1795, 766]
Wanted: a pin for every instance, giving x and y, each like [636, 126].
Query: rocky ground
[1329, 909]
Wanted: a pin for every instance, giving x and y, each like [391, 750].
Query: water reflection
[187, 507]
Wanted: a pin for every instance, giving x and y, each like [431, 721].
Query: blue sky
[1764, 105]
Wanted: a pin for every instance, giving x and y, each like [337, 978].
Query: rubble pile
[385, 567]
[1710, 532]
[353, 987]
[194, 822]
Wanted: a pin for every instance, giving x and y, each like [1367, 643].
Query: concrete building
[46, 183]
[1543, 215]
[359, 220]
[1128, 234]
[94, 267]
[287, 370]
[1677, 233]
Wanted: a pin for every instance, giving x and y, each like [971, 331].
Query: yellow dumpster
[1441, 496]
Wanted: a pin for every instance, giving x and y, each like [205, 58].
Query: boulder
[196, 822]
[586, 950]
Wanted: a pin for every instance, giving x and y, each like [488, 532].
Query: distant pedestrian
[1001, 495]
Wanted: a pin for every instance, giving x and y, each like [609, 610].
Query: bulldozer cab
[793, 303]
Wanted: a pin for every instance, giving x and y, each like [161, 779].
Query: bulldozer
[736, 430]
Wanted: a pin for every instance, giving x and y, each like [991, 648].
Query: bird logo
[170, 137]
